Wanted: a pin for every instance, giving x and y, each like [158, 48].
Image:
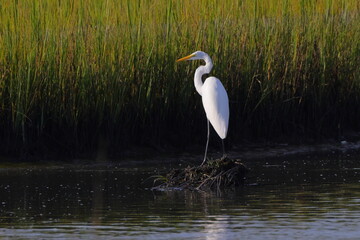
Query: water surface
[284, 198]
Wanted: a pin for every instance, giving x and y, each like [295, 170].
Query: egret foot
[224, 156]
[204, 161]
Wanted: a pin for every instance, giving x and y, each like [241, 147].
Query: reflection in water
[97, 198]
[216, 228]
[286, 199]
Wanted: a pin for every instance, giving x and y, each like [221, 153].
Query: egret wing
[216, 104]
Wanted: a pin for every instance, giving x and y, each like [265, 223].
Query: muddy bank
[191, 154]
[214, 174]
[254, 151]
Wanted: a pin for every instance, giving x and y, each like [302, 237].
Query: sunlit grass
[78, 69]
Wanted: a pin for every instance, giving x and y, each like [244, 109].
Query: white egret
[214, 98]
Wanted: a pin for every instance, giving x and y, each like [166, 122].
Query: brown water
[302, 198]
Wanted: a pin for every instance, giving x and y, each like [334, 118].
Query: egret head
[194, 56]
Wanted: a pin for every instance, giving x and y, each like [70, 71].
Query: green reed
[73, 70]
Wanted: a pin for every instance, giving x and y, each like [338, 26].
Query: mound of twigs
[214, 174]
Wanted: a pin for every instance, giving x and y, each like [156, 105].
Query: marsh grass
[73, 70]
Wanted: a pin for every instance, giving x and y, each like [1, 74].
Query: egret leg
[223, 148]
[207, 142]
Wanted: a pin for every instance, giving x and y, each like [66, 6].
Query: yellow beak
[185, 58]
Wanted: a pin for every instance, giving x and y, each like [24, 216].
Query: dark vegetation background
[76, 75]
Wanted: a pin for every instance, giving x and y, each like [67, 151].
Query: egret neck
[200, 71]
